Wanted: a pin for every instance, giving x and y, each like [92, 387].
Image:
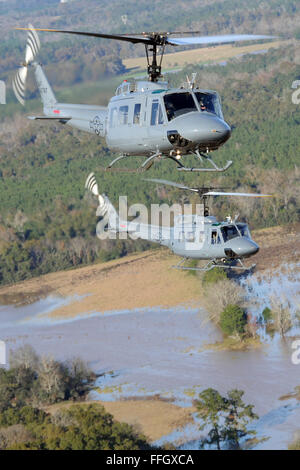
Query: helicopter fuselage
[198, 237]
[192, 236]
[145, 117]
[206, 238]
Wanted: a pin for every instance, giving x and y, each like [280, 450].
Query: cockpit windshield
[178, 104]
[209, 102]
[244, 230]
[229, 232]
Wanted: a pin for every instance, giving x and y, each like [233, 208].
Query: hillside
[203, 55]
[80, 59]
[93, 288]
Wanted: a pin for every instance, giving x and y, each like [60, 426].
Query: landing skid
[216, 169]
[201, 156]
[214, 264]
[158, 156]
[144, 167]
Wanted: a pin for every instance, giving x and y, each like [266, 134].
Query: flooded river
[163, 351]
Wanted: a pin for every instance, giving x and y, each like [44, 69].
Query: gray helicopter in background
[202, 237]
[145, 117]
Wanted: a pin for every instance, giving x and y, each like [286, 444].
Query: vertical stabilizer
[45, 89]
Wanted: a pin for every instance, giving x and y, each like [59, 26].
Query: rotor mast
[154, 68]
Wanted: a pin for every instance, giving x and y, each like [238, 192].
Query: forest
[27, 422]
[47, 221]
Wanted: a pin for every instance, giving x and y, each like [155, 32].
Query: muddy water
[155, 351]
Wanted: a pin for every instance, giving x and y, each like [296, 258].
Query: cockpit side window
[229, 232]
[156, 114]
[160, 116]
[178, 104]
[209, 102]
[215, 237]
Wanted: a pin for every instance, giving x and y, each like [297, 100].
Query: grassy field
[202, 55]
[153, 417]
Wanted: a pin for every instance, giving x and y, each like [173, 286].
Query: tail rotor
[32, 49]
[92, 186]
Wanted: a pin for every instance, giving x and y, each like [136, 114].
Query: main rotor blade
[133, 39]
[227, 38]
[160, 38]
[170, 183]
[218, 193]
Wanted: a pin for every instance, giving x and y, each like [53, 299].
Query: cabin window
[229, 232]
[209, 102]
[201, 237]
[215, 237]
[178, 104]
[137, 113]
[123, 115]
[190, 237]
[113, 122]
[156, 114]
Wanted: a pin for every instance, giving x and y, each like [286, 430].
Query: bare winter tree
[218, 296]
[282, 315]
[79, 375]
[24, 356]
[52, 379]
[14, 434]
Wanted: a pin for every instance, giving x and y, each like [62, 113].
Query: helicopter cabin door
[215, 242]
[138, 125]
[156, 121]
[215, 238]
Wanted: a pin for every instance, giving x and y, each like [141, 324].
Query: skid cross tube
[213, 264]
[144, 167]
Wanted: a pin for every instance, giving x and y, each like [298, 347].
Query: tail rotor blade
[19, 84]
[32, 46]
[92, 185]
[32, 49]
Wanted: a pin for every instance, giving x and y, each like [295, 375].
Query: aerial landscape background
[149, 334]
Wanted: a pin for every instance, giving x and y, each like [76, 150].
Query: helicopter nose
[241, 248]
[203, 128]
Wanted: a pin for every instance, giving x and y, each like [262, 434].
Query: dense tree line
[76, 428]
[34, 380]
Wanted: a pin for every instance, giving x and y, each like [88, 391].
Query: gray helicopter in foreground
[202, 237]
[145, 117]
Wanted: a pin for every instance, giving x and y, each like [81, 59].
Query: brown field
[142, 280]
[202, 55]
[137, 281]
[153, 418]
